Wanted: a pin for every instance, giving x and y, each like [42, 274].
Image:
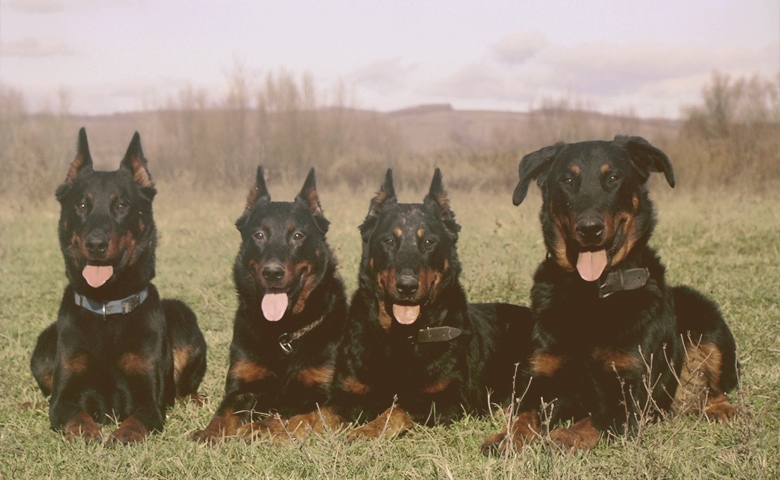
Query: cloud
[34, 47]
[381, 75]
[517, 48]
[37, 6]
[608, 68]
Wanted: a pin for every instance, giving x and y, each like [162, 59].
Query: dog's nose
[590, 230]
[273, 272]
[96, 243]
[407, 282]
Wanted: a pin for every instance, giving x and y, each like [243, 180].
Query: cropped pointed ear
[135, 162]
[437, 201]
[646, 158]
[535, 166]
[81, 164]
[258, 196]
[384, 198]
[309, 198]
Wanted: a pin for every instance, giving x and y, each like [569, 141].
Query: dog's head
[106, 222]
[409, 253]
[595, 210]
[283, 254]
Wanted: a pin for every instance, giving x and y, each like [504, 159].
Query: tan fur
[248, 371]
[133, 364]
[580, 436]
[545, 364]
[390, 423]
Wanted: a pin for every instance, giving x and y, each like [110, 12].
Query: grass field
[726, 244]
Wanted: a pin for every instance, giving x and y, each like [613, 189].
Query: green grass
[723, 243]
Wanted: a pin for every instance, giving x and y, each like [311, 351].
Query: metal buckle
[284, 343]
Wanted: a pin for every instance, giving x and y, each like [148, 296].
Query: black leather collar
[438, 334]
[619, 280]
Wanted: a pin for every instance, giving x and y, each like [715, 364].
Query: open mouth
[97, 275]
[406, 314]
[592, 263]
[276, 301]
[274, 305]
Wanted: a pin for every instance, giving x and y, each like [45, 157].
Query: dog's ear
[135, 162]
[535, 166]
[384, 197]
[81, 164]
[437, 201]
[309, 198]
[646, 158]
[258, 196]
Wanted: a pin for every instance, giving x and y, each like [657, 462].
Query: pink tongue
[591, 265]
[97, 275]
[274, 305]
[406, 314]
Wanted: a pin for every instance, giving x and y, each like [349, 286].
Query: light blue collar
[114, 307]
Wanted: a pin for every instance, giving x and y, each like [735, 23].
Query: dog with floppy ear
[612, 343]
[291, 311]
[116, 350]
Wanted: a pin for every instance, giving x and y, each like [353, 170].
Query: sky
[646, 58]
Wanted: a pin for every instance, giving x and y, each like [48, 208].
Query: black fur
[408, 282]
[606, 363]
[128, 366]
[282, 365]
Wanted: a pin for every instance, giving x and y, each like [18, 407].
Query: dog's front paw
[580, 436]
[83, 427]
[130, 431]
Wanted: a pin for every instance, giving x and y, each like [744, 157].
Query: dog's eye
[81, 207]
[568, 181]
[613, 179]
[259, 235]
[120, 207]
[389, 241]
[428, 243]
[298, 236]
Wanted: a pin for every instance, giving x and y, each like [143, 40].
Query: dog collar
[114, 307]
[286, 339]
[629, 279]
[438, 334]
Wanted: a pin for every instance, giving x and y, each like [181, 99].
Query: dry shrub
[731, 140]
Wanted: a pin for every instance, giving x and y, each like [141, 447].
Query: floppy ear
[437, 200]
[81, 164]
[384, 197]
[646, 158]
[309, 198]
[535, 166]
[258, 196]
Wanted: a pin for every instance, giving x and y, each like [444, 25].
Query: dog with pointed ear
[84, 360]
[289, 319]
[308, 197]
[133, 162]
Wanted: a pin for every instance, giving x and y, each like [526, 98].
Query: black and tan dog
[291, 312]
[116, 351]
[414, 350]
[612, 343]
